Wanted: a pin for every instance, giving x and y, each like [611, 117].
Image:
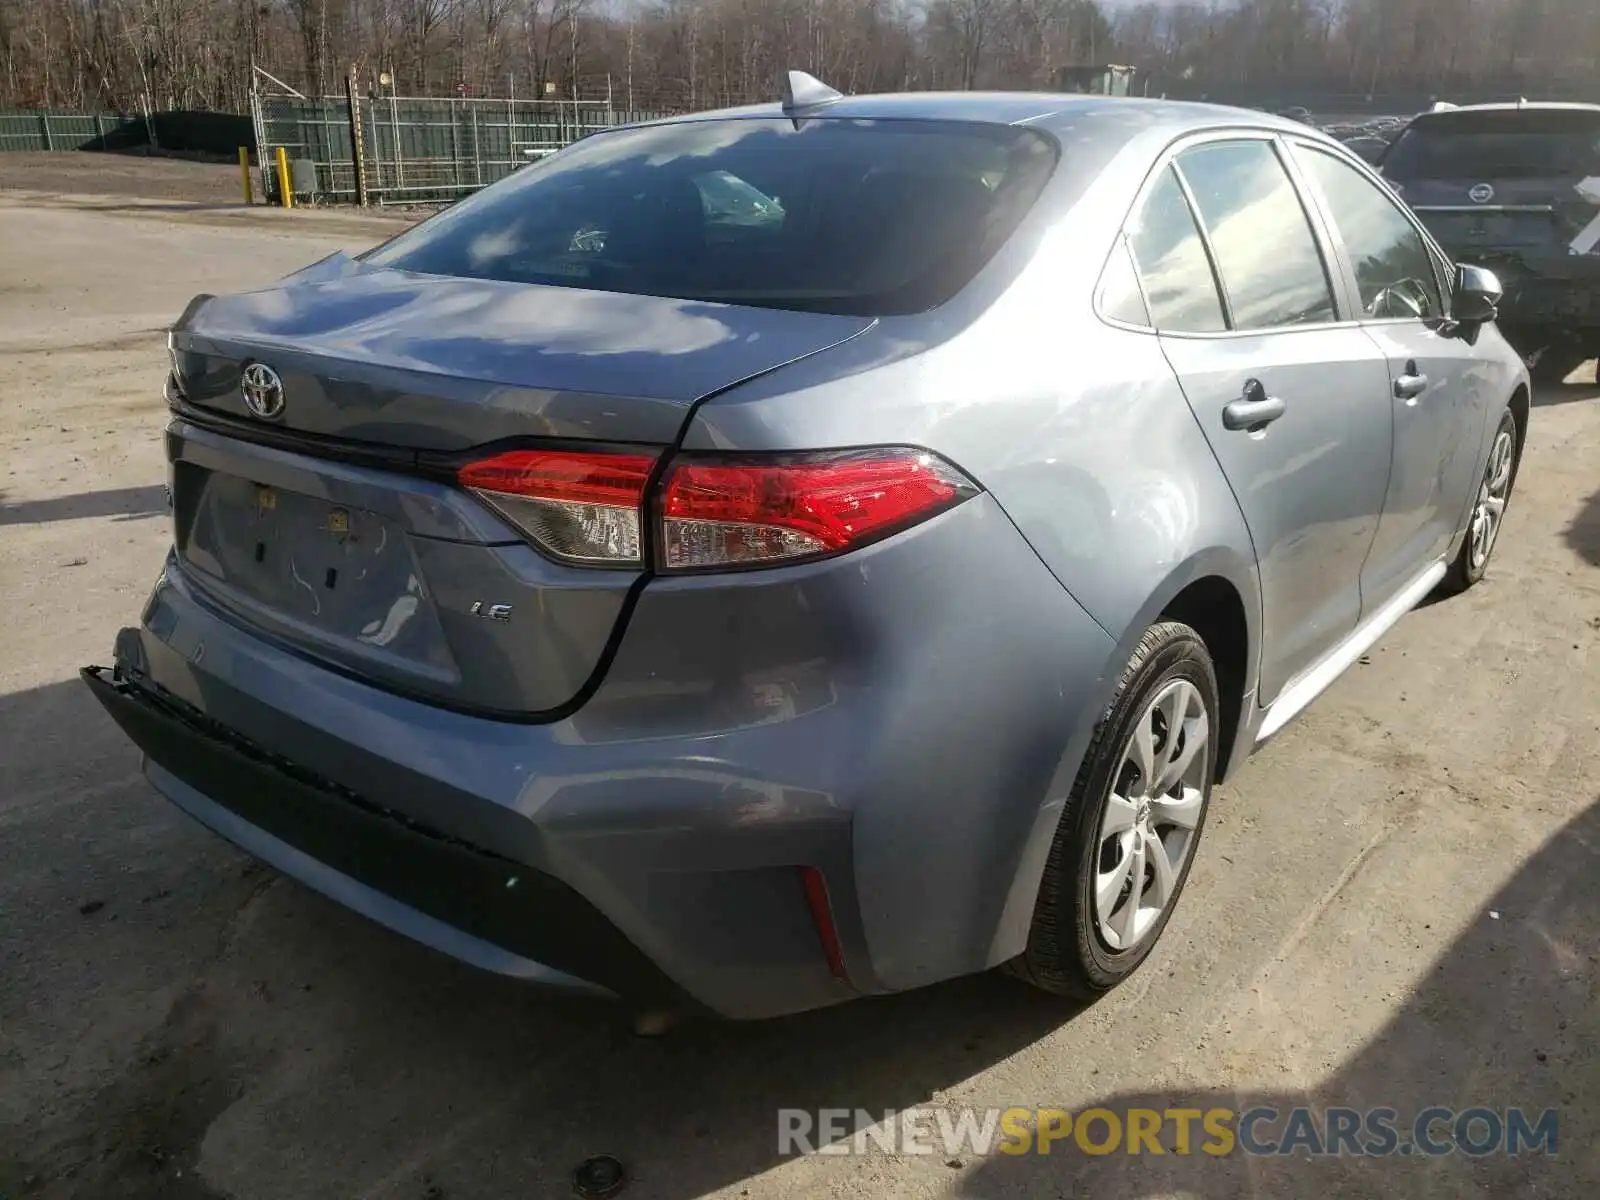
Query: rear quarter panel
[1077, 427]
[1079, 432]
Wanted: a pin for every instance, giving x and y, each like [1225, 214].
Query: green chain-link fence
[42, 130]
[417, 149]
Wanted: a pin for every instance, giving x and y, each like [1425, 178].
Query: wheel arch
[1519, 404]
[1215, 591]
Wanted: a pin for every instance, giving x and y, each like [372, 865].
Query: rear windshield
[838, 216]
[1497, 145]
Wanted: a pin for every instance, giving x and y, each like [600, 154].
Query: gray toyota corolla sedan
[806, 551]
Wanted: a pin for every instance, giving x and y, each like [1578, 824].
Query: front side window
[1266, 252]
[1396, 273]
[1172, 262]
[841, 216]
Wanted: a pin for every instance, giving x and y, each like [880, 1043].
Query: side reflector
[578, 505]
[731, 513]
[822, 916]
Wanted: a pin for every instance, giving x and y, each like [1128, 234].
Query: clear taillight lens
[732, 513]
[577, 505]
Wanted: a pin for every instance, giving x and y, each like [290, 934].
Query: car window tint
[1266, 252]
[1120, 298]
[1395, 272]
[1172, 262]
[1507, 144]
[861, 217]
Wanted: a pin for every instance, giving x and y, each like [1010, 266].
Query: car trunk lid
[335, 527]
[425, 362]
[1517, 184]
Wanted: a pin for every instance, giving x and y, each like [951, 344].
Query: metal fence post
[369, 114]
[99, 131]
[477, 153]
[399, 160]
[455, 148]
[358, 156]
[44, 124]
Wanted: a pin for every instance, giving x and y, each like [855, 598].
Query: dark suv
[1516, 187]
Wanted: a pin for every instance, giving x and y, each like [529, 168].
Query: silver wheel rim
[1148, 831]
[1491, 505]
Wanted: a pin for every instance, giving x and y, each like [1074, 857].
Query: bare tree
[675, 54]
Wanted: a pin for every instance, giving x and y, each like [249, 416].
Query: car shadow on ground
[1548, 395]
[1583, 533]
[130, 503]
[1506, 1019]
[385, 1041]
[436, 1069]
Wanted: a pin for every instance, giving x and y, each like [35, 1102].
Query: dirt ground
[1394, 905]
[146, 177]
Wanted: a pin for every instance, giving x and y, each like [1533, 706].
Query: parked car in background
[1370, 148]
[774, 556]
[1517, 187]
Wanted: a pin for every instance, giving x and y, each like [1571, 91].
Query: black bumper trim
[512, 906]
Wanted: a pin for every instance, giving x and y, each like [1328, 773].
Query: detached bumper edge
[486, 911]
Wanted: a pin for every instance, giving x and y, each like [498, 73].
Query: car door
[1440, 393]
[1293, 403]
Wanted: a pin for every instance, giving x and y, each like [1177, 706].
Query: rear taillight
[578, 505]
[714, 514]
[730, 513]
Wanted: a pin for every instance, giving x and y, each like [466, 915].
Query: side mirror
[1476, 298]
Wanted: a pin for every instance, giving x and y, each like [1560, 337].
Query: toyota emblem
[263, 390]
[1481, 193]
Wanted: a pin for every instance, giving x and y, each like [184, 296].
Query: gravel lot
[1395, 904]
[150, 178]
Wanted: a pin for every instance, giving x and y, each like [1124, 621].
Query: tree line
[690, 54]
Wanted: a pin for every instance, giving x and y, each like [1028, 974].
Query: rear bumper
[475, 906]
[913, 747]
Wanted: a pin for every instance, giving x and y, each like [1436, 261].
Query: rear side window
[1120, 297]
[1396, 274]
[1266, 252]
[1510, 144]
[858, 217]
[1172, 262]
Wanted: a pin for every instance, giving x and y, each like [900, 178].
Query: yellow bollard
[283, 178]
[244, 173]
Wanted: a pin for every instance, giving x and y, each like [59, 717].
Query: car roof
[1046, 110]
[1514, 106]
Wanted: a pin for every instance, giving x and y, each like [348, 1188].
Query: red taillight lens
[730, 513]
[586, 506]
[578, 505]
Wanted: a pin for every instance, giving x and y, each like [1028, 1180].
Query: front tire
[1488, 509]
[1128, 833]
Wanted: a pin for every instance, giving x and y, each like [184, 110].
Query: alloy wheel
[1148, 830]
[1492, 495]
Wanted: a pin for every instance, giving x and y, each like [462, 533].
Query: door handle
[1254, 411]
[1412, 384]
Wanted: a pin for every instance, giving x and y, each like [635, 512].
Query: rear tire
[1094, 922]
[1488, 509]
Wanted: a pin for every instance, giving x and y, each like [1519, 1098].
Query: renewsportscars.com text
[1476, 1131]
